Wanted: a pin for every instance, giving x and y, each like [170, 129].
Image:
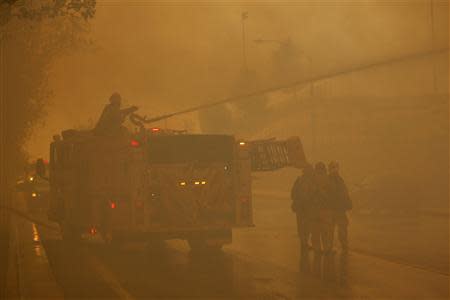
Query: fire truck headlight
[31, 179]
[183, 183]
[34, 195]
[203, 182]
[197, 183]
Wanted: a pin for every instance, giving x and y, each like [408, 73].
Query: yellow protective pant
[326, 229]
[341, 222]
[315, 234]
[303, 229]
[318, 226]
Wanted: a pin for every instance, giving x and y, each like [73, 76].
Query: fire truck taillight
[113, 205]
[93, 231]
[156, 129]
[135, 143]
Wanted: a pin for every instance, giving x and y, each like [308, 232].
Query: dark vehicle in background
[35, 186]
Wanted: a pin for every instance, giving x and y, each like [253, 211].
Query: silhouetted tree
[45, 9]
[32, 34]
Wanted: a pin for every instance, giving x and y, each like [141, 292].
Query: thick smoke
[382, 123]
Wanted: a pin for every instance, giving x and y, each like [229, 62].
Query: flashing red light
[135, 143]
[93, 231]
[113, 205]
[156, 129]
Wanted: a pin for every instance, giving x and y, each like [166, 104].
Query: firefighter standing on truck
[301, 195]
[341, 203]
[110, 122]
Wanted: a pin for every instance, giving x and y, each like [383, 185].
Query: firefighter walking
[341, 203]
[325, 226]
[311, 203]
[320, 201]
[301, 195]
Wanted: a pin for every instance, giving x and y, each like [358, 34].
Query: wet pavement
[173, 271]
[262, 263]
[29, 273]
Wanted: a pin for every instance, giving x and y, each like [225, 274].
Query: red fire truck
[159, 184]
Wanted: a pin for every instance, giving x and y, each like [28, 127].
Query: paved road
[262, 263]
[421, 241]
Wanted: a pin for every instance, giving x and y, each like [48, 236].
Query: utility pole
[2, 124]
[313, 119]
[244, 17]
[432, 34]
[4, 217]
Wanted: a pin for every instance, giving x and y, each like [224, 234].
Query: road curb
[29, 274]
[35, 277]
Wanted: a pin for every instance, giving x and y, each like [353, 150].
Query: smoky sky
[165, 56]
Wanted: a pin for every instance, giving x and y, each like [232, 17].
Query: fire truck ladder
[269, 155]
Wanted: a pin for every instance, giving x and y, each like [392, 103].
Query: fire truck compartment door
[192, 195]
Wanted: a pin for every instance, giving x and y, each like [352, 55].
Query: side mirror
[40, 168]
